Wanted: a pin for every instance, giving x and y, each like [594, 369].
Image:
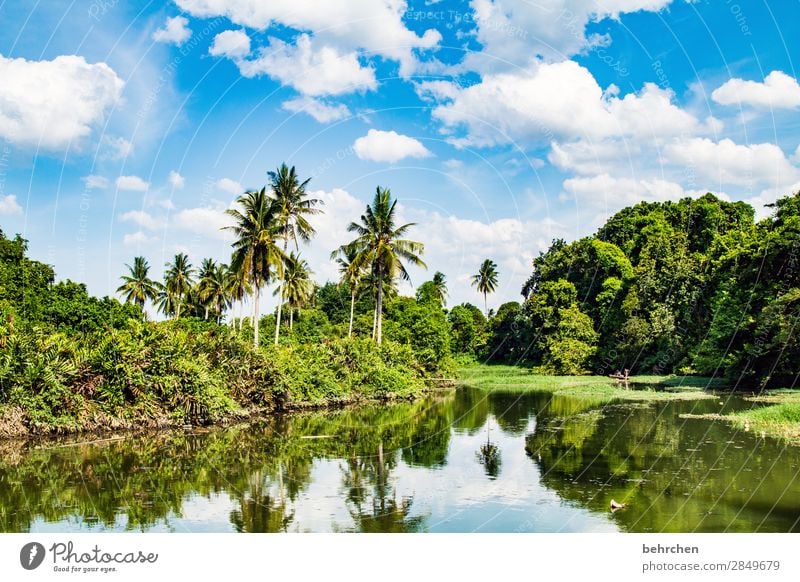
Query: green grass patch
[501, 378]
[781, 421]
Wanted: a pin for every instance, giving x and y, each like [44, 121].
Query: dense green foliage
[694, 286]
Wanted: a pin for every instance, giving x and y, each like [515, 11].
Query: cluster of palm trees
[265, 222]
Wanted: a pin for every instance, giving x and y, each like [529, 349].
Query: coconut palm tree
[297, 286]
[237, 288]
[293, 206]
[137, 287]
[381, 250]
[350, 276]
[486, 281]
[205, 283]
[213, 290]
[178, 281]
[256, 254]
[440, 287]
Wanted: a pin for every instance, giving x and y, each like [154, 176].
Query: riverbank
[599, 389]
[780, 418]
[150, 375]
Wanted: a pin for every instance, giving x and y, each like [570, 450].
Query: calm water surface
[460, 461]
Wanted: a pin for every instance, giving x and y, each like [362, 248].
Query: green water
[461, 461]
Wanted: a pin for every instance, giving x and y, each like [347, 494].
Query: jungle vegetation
[693, 287]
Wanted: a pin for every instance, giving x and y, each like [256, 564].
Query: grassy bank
[155, 375]
[595, 388]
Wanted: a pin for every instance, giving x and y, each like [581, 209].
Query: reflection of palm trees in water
[259, 511]
[387, 514]
[488, 455]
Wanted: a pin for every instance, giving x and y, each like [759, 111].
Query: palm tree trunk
[206, 316]
[280, 295]
[485, 306]
[291, 318]
[352, 304]
[379, 307]
[256, 293]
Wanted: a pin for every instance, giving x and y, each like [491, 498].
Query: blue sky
[128, 128]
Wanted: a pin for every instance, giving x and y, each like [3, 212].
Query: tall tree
[486, 281]
[381, 249]
[293, 206]
[213, 290]
[440, 287]
[178, 281]
[205, 282]
[256, 254]
[137, 286]
[297, 286]
[350, 276]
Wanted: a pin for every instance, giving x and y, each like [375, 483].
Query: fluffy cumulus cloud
[319, 110]
[175, 31]
[512, 32]
[176, 180]
[132, 183]
[9, 205]
[778, 91]
[375, 27]
[142, 219]
[77, 98]
[209, 221]
[311, 69]
[233, 44]
[388, 146]
[229, 186]
[557, 101]
[93, 182]
[137, 239]
[726, 162]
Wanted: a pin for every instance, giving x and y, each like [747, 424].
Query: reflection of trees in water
[259, 511]
[138, 482]
[673, 475]
[488, 455]
[372, 500]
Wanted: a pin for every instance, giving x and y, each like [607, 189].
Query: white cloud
[796, 156]
[207, 221]
[778, 91]
[176, 180]
[558, 101]
[512, 33]
[137, 238]
[9, 205]
[142, 219]
[726, 162]
[311, 69]
[317, 109]
[388, 146]
[230, 186]
[175, 31]
[230, 43]
[117, 148]
[374, 27]
[52, 103]
[95, 182]
[132, 183]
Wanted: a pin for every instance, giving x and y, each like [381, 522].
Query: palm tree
[256, 254]
[178, 281]
[205, 283]
[213, 290]
[440, 287]
[297, 286]
[137, 287]
[380, 248]
[486, 281]
[237, 287]
[351, 276]
[293, 206]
